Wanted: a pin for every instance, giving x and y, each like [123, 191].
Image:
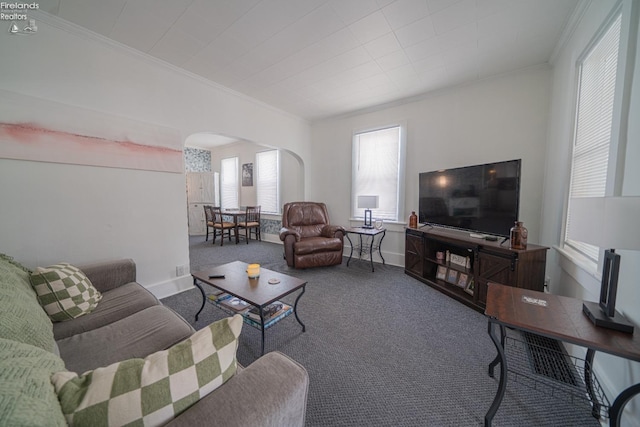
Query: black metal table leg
[204, 297]
[373, 238]
[351, 246]
[615, 412]
[360, 247]
[262, 329]
[384, 232]
[295, 308]
[494, 363]
[588, 365]
[488, 418]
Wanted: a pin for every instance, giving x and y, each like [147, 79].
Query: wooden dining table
[235, 213]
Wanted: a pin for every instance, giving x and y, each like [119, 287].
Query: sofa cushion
[21, 317]
[153, 390]
[64, 291]
[312, 245]
[145, 332]
[272, 391]
[27, 397]
[115, 304]
[108, 275]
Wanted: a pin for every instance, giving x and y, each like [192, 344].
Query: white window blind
[594, 113]
[376, 171]
[229, 183]
[267, 174]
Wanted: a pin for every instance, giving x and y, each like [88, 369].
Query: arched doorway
[204, 152]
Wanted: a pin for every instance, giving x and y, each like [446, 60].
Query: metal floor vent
[548, 358]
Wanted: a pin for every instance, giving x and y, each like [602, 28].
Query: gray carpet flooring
[381, 349]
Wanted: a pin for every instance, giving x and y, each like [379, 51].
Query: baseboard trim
[271, 238]
[184, 283]
[390, 258]
[171, 287]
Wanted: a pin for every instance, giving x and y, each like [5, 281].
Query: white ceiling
[319, 58]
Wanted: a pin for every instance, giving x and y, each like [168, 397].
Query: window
[267, 180]
[594, 124]
[229, 183]
[377, 167]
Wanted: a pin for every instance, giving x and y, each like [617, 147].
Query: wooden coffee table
[257, 292]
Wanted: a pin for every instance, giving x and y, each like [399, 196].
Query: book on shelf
[268, 322]
[235, 304]
[267, 311]
[214, 292]
[219, 297]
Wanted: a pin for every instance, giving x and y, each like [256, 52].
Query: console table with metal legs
[366, 249]
[556, 318]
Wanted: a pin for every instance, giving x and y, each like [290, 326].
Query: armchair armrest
[333, 230]
[271, 392]
[284, 232]
[110, 274]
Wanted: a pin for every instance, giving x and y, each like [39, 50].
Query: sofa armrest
[271, 392]
[110, 274]
[284, 232]
[333, 231]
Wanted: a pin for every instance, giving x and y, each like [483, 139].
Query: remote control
[216, 276]
[476, 235]
[491, 238]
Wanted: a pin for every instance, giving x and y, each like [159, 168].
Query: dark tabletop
[556, 317]
[258, 292]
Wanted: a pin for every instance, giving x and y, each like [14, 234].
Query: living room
[80, 213]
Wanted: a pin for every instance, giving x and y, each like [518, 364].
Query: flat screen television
[479, 198]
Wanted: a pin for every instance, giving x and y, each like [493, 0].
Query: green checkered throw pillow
[64, 291]
[153, 390]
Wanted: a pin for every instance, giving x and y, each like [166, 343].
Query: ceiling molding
[570, 28]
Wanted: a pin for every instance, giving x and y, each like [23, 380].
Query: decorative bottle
[413, 220]
[518, 236]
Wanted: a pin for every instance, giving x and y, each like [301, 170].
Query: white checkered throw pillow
[64, 291]
[153, 390]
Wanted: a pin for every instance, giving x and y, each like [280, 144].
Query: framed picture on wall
[247, 175]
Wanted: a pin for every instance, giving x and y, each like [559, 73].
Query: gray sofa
[129, 322]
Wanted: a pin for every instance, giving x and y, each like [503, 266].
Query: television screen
[481, 198]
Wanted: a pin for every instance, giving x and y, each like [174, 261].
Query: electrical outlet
[182, 270]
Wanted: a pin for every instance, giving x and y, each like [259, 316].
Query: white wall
[55, 212]
[497, 119]
[568, 277]
[291, 172]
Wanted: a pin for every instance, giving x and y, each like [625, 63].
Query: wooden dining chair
[208, 215]
[251, 223]
[220, 225]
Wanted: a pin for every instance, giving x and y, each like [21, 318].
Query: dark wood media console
[489, 261]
